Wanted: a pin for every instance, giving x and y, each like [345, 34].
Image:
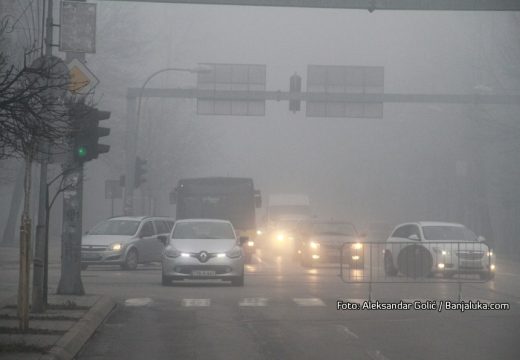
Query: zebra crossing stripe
[195, 302]
[253, 302]
[309, 302]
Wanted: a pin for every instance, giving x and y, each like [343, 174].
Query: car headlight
[250, 243]
[280, 237]
[357, 246]
[314, 245]
[258, 232]
[172, 252]
[234, 253]
[444, 252]
[490, 253]
[116, 247]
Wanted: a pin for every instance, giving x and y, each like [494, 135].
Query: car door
[145, 243]
[157, 248]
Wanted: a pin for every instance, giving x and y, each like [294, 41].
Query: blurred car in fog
[203, 249]
[323, 243]
[378, 231]
[126, 241]
[428, 248]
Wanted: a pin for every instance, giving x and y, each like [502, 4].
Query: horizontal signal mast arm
[370, 5]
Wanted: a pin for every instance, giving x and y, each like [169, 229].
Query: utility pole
[39, 260]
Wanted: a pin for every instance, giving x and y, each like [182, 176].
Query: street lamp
[132, 143]
[196, 70]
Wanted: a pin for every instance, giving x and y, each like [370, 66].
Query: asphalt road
[289, 312]
[285, 311]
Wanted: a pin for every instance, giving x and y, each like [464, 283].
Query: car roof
[139, 218]
[438, 223]
[205, 220]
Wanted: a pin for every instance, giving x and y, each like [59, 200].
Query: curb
[71, 343]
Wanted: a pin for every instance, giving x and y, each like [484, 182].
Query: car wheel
[131, 260]
[238, 281]
[165, 280]
[84, 266]
[390, 269]
[415, 261]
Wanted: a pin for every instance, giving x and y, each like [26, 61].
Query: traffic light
[86, 132]
[295, 86]
[140, 171]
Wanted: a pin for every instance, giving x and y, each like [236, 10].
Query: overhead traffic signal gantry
[86, 132]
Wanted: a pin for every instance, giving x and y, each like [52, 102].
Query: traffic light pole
[131, 151]
[40, 249]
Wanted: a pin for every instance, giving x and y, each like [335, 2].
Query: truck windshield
[281, 212]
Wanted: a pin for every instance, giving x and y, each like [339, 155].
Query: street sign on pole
[246, 78]
[78, 27]
[345, 80]
[82, 80]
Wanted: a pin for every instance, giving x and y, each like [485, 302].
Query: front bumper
[102, 257]
[180, 268]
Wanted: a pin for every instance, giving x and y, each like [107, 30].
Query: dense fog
[420, 161]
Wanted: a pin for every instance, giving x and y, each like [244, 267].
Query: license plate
[87, 256]
[203, 272]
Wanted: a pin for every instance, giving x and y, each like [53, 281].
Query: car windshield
[333, 229]
[203, 230]
[115, 227]
[448, 233]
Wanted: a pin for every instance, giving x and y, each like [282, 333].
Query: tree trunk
[8, 237]
[25, 246]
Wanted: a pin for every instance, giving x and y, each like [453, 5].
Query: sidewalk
[59, 333]
[9, 255]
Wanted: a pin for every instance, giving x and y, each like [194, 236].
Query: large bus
[226, 198]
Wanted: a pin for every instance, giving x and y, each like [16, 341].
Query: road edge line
[67, 347]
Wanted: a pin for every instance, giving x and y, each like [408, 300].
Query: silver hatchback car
[126, 241]
[203, 249]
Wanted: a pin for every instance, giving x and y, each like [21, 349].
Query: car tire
[238, 281]
[84, 266]
[131, 260]
[165, 280]
[415, 261]
[390, 269]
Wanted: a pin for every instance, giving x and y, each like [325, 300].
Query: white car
[126, 241]
[203, 249]
[426, 248]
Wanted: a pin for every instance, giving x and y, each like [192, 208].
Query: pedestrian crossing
[298, 302]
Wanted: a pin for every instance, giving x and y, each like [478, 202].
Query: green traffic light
[82, 152]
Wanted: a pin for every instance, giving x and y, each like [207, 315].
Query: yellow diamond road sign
[82, 80]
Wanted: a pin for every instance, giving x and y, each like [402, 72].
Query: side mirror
[243, 239]
[413, 237]
[163, 239]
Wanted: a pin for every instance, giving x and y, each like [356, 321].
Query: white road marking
[196, 302]
[376, 355]
[357, 301]
[253, 302]
[138, 302]
[309, 302]
[349, 334]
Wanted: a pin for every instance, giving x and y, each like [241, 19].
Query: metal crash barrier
[416, 262]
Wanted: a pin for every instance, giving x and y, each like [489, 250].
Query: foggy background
[419, 162]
